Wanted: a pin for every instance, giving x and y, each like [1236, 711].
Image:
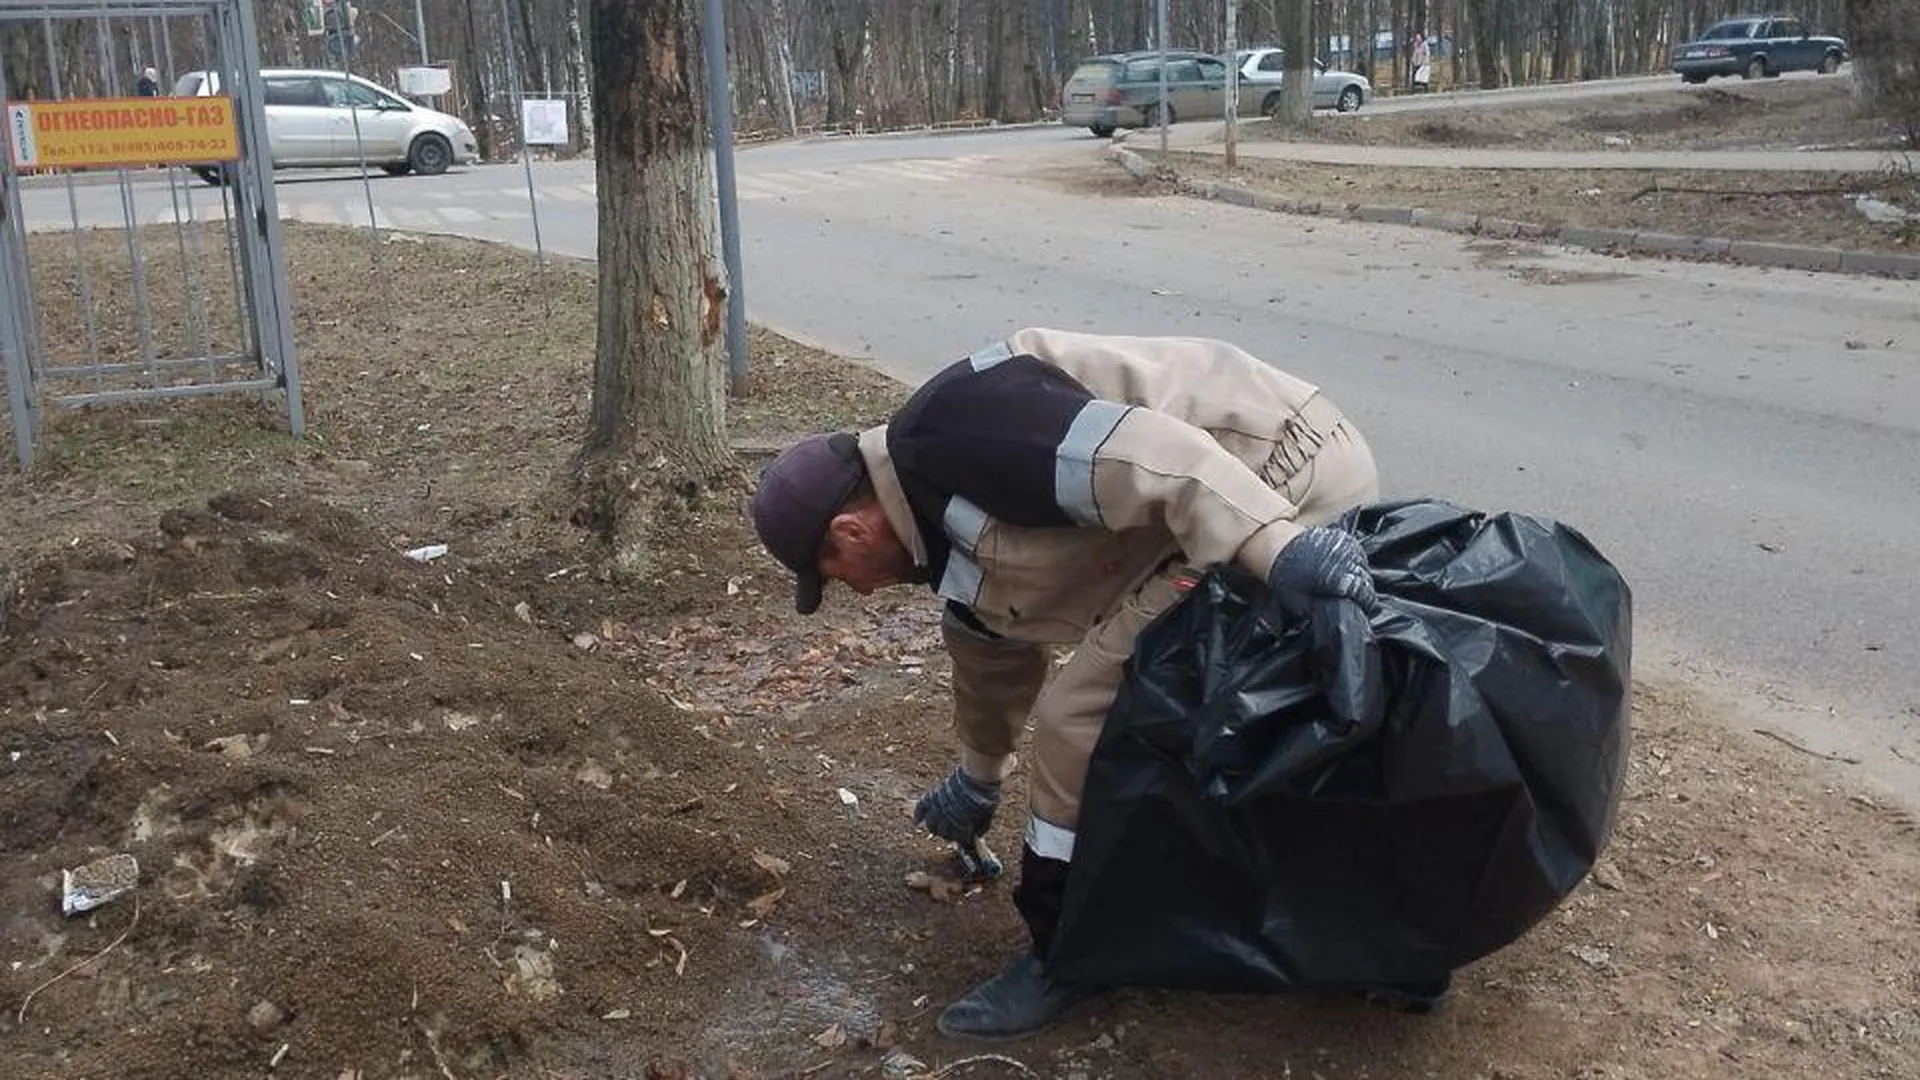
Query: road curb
[1606, 241]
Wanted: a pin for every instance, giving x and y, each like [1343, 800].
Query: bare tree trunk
[659, 379]
[1296, 93]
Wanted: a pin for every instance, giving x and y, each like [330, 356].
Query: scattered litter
[595, 775]
[831, 1039]
[849, 797]
[1616, 140]
[279, 1056]
[900, 1065]
[774, 865]
[1591, 955]
[1713, 932]
[524, 612]
[427, 553]
[618, 1014]
[97, 883]
[584, 640]
[459, 721]
[1880, 212]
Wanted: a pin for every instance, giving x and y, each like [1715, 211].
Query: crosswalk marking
[429, 208]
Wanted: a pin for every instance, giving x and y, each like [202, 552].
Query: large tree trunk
[659, 377]
[1296, 93]
[1885, 35]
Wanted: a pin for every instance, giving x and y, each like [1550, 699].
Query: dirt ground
[1813, 209]
[1817, 210]
[1788, 114]
[490, 816]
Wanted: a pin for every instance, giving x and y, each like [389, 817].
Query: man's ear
[847, 530]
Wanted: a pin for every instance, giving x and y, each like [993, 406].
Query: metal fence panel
[83, 312]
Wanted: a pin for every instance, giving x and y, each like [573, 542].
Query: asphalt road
[1744, 443]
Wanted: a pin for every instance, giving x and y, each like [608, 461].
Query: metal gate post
[18, 332]
[260, 210]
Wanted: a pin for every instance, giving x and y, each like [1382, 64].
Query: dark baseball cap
[799, 493]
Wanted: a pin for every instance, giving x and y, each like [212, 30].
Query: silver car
[318, 118]
[1263, 70]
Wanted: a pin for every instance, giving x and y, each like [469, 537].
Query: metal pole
[720, 114]
[420, 30]
[1160, 40]
[1233, 86]
[526, 156]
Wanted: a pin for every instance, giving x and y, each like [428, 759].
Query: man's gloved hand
[1323, 561]
[959, 809]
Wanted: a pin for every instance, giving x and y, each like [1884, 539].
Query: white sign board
[22, 149]
[425, 81]
[544, 120]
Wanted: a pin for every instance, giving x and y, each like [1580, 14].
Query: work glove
[1323, 562]
[959, 808]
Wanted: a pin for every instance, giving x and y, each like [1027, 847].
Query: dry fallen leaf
[772, 864]
[761, 906]
[831, 1039]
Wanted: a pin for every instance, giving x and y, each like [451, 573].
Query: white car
[1266, 69]
[318, 118]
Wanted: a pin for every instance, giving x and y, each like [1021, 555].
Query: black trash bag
[1332, 802]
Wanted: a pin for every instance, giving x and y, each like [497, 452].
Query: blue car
[1757, 47]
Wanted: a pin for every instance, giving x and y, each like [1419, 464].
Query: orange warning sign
[95, 132]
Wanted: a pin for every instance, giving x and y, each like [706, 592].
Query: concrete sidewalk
[1210, 139]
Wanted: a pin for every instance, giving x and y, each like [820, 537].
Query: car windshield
[1738, 28]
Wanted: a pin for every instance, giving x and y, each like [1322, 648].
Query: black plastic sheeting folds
[1334, 801]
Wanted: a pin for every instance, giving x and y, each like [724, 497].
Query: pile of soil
[494, 813]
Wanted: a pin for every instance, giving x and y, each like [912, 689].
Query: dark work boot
[1022, 1000]
[1422, 997]
[1018, 1002]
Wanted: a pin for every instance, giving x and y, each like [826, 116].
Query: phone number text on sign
[99, 132]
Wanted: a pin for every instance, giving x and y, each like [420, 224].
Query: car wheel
[1150, 116]
[1756, 69]
[399, 169]
[1349, 99]
[1271, 104]
[1829, 64]
[1693, 80]
[1101, 131]
[211, 176]
[430, 155]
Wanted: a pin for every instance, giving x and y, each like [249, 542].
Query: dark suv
[1757, 47]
